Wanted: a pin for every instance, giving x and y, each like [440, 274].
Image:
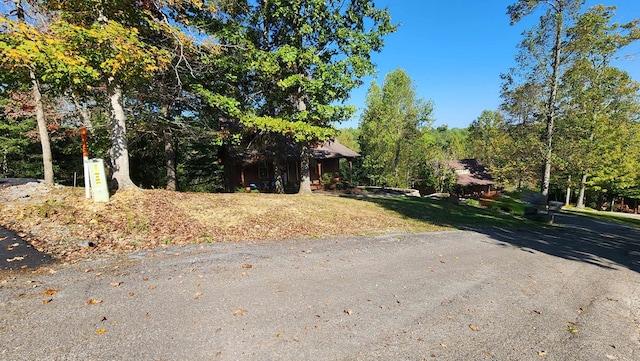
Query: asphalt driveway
[565, 292]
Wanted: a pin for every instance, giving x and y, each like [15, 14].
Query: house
[472, 178]
[256, 169]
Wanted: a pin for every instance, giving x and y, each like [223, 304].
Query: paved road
[570, 292]
[17, 254]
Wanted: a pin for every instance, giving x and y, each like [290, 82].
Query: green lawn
[503, 212]
[606, 217]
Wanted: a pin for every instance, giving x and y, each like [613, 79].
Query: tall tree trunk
[305, 157]
[583, 184]
[170, 156]
[277, 175]
[119, 148]
[551, 104]
[169, 150]
[47, 158]
[568, 197]
[305, 173]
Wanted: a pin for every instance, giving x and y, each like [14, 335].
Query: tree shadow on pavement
[17, 254]
[571, 237]
[578, 238]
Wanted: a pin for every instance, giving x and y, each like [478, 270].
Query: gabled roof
[290, 150]
[469, 172]
[333, 149]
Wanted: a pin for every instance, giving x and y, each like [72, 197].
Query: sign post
[98, 181]
[85, 162]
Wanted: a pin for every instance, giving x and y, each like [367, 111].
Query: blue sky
[454, 51]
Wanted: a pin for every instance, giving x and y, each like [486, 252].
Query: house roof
[333, 149]
[469, 172]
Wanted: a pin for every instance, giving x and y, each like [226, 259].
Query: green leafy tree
[33, 55]
[521, 106]
[489, 141]
[541, 61]
[349, 138]
[297, 62]
[111, 36]
[390, 130]
[600, 100]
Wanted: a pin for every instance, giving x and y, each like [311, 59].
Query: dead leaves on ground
[153, 218]
[49, 292]
[240, 311]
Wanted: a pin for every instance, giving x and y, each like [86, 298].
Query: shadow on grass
[16, 254]
[573, 237]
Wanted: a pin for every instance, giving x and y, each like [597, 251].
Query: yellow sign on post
[99, 187]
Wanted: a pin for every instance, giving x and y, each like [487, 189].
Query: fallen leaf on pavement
[115, 284]
[197, 295]
[474, 327]
[247, 265]
[572, 329]
[239, 311]
[44, 302]
[101, 331]
[50, 291]
[93, 301]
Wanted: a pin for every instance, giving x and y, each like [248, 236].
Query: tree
[542, 56]
[349, 138]
[20, 50]
[110, 35]
[600, 99]
[521, 106]
[297, 62]
[390, 129]
[490, 142]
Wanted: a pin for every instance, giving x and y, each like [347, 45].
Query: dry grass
[63, 222]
